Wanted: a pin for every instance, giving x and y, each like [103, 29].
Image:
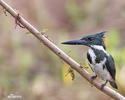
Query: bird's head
[90, 40]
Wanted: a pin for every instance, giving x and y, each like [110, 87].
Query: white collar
[99, 47]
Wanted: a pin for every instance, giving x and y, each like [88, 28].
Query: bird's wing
[110, 65]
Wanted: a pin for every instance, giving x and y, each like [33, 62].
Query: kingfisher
[101, 62]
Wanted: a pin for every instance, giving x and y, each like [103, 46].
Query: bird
[99, 60]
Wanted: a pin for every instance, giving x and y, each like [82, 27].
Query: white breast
[92, 54]
[98, 67]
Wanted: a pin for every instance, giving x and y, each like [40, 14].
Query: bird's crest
[101, 34]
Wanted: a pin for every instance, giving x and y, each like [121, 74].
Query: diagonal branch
[60, 53]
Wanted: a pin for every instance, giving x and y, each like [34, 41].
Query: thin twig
[4, 10]
[17, 18]
[71, 72]
[61, 54]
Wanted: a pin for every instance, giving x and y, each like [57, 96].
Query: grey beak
[75, 42]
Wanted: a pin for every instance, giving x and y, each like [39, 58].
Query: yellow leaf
[66, 78]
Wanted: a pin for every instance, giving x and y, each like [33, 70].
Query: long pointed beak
[75, 42]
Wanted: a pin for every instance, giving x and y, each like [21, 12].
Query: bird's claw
[102, 86]
[93, 77]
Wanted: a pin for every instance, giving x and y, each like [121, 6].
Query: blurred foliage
[75, 12]
[30, 69]
[114, 48]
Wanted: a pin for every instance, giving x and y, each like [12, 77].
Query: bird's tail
[113, 84]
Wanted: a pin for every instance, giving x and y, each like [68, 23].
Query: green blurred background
[30, 70]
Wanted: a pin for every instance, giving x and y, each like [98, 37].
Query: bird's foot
[93, 77]
[103, 85]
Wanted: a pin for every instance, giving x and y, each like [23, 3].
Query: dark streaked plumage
[89, 58]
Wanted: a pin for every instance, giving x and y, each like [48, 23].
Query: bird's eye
[90, 39]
